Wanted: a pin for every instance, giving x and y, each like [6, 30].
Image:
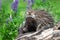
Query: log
[48, 34]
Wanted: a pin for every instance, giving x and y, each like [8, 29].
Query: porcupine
[37, 19]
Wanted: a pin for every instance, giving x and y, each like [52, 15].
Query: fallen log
[48, 34]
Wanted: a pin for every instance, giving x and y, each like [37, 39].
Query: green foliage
[8, 28]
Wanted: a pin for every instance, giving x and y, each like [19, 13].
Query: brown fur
[36, 17]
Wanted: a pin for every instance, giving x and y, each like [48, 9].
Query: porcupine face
[30, 24]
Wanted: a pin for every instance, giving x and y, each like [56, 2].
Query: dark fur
[30, 24]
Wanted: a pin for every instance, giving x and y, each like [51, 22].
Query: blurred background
[12, 14]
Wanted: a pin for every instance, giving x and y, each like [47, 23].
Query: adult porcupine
[37, 19]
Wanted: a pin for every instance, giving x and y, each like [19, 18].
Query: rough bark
[48, 34]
